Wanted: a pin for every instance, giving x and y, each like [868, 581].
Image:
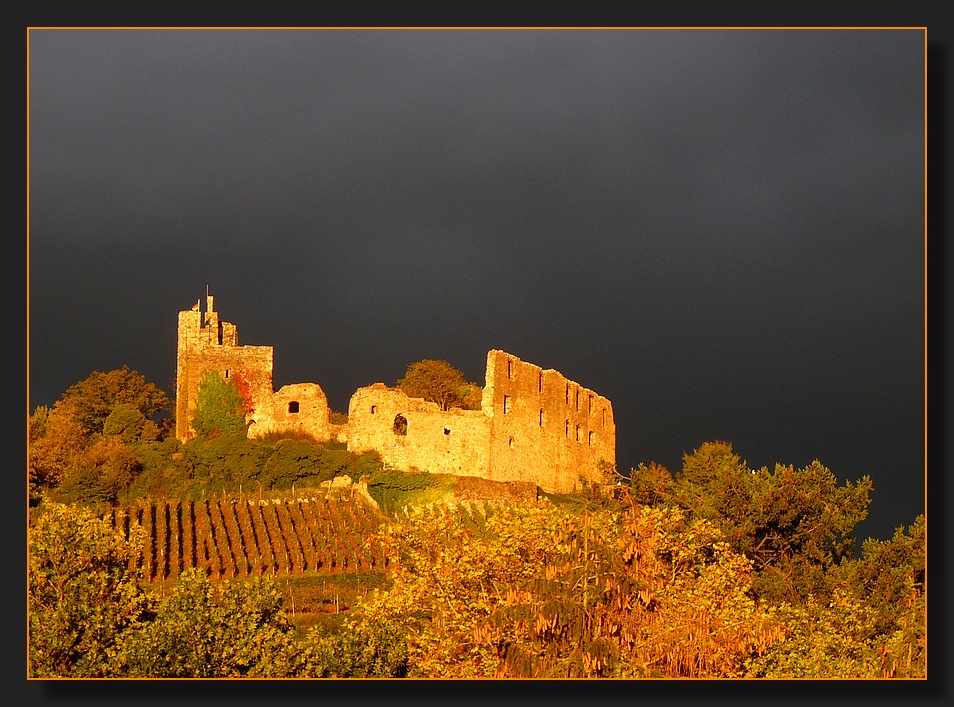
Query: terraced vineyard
[240, 537]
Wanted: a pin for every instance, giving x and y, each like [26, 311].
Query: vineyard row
[238, 538]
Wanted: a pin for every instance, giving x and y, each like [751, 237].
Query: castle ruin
[534, 425]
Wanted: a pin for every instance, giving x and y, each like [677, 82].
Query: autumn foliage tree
[539, 591]
[87, 428]
[215, 630]
[83, 599]
[439, 382]
[90, 402]
[842, 616]
[89, 616]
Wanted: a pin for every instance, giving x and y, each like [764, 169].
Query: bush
[83, 601]
[359, 650]
[206, 630]
[231, 464]
[394, 489]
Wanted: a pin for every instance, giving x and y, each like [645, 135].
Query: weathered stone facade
[205, 343]
[534, 425]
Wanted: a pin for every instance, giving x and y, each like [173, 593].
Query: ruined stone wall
[452, 442]
[300, 407]
[534, 426]
[544, 427]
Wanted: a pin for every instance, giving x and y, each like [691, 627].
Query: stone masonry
[534, 424]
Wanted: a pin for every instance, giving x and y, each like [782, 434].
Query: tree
[83, 600]
[642, 593]
[92, 400]
[55, 447]
[441, 383]
[100, 475]
[206, 630]
[128, 423]
[221, 406]
[61, 437]
[793, 524]
[536, 590]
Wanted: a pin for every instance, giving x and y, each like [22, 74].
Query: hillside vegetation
[228, 557]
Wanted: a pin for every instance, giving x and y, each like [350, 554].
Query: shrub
[394, 489]
[83, 601]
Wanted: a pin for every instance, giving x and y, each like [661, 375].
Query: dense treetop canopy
[439, 382]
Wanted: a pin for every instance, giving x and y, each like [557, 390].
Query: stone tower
[205, 343]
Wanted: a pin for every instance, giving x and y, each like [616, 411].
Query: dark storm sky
[722, 231]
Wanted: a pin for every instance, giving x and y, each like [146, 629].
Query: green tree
[829, 639]
[794, 525]
[83, 600]
[439, 382]
[220, 407]
[889, 572]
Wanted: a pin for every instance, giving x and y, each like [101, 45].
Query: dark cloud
[722, 231]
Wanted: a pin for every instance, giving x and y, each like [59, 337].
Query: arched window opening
[293, 406]
[577, 433]
[374, 409]
[400, 425]
[511, 442]
[567, 428]
[591, 438]
[541, 417]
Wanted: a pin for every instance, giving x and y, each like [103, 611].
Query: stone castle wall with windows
[534, 425]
